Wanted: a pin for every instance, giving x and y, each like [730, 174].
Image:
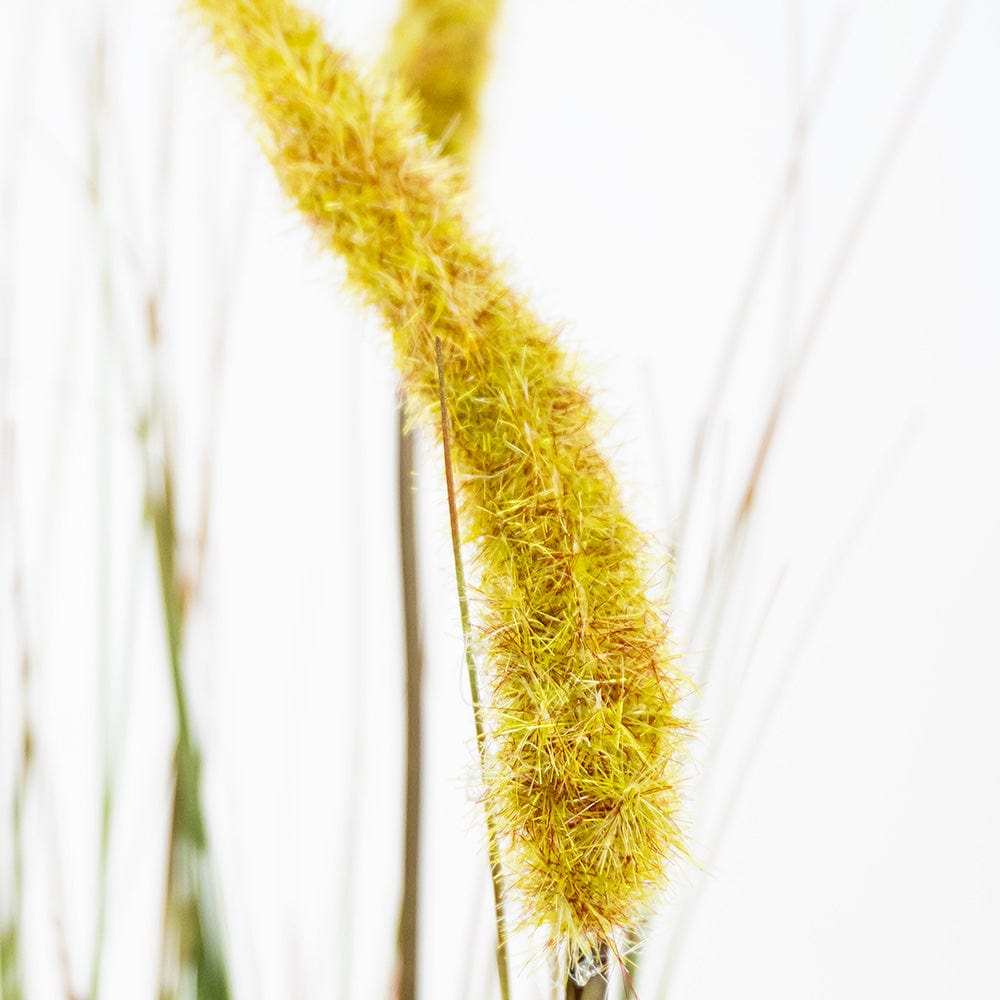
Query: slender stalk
[11, 954]
[191, 943]
[103, 449]
[414, 669]
[11, 943]
[188, 915]
[596, 989]
[496, 874]
[783, 197]
[11, 165]
[11, 971]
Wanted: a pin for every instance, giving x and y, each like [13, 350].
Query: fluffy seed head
[584, 738]
[441, 50]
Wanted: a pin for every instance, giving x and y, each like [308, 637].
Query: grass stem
[596, 988]
[191, 945]
[496, 874]
[414, 670]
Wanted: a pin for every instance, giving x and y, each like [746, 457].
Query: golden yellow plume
[441, 50]
[585, 741]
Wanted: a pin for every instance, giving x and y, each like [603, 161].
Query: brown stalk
[414, 670]
[596, 988]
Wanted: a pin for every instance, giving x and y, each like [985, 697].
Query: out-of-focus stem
[11, 968]
[188, 916]
[408, 918]
[96, 190]
[496, 873]
[913, 99]
[596, 988]
[190, 928]
[11, 943]
[11, 164]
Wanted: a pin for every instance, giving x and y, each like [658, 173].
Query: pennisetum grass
[575, 699]
[585, 742]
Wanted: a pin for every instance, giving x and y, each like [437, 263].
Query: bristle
[585, 742]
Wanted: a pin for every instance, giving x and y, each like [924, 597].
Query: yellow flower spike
[441, 50]
[584, 739]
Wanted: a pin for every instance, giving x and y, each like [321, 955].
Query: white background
[845, 823]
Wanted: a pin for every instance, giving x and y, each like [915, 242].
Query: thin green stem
[11, 944]
[496, 873]
[11, 956]
[189, 912]
[190, 928]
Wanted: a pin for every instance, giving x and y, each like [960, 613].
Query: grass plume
[441, 50]
[585, 740]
